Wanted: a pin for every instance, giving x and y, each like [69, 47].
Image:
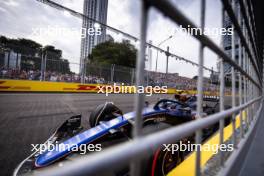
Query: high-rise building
[227, 40]
[148, 60]
[94, 9]
[227, 43]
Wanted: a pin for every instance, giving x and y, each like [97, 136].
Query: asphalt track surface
[30, 118]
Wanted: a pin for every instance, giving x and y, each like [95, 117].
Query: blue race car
[109, 126]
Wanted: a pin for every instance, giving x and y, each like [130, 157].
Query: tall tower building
[95, 9]
[227, 40]
[148, 64]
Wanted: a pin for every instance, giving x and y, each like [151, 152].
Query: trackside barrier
[187, 167]
[250, 95]
[45, 86]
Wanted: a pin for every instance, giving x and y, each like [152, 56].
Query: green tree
[31, 53]
[114, 53]
[54, 61]
[21, 45]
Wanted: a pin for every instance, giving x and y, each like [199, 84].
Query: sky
[20, 18]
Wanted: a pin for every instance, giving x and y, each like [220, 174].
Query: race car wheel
[161, 161]
[104, 112]
[164, 161]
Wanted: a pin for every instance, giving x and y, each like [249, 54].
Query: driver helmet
[183, 97]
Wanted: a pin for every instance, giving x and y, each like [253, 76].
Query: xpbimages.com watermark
[216, 31]
[51, 31]
[117, 89]
[189, 147]
[82, 149]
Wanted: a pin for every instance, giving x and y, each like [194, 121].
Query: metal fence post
[247, 89]
[233, 75]
[244, 77]
[112, 72]
[198, 134]
[167, 59]
[222, 96]
[42, 65]
[45, 66]
[240, 80]
[82, 71]
[139, 98]
[132, 71]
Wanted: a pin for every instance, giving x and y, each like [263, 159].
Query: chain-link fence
[47, 64]
[18, 62]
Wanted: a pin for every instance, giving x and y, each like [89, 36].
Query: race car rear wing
[211, 98]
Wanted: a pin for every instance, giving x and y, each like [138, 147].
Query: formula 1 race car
[109, 126]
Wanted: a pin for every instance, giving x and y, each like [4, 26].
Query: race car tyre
[104, 112]
[160, 161]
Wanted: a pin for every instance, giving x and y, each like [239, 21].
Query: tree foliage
[31, 52]
[114, 53]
